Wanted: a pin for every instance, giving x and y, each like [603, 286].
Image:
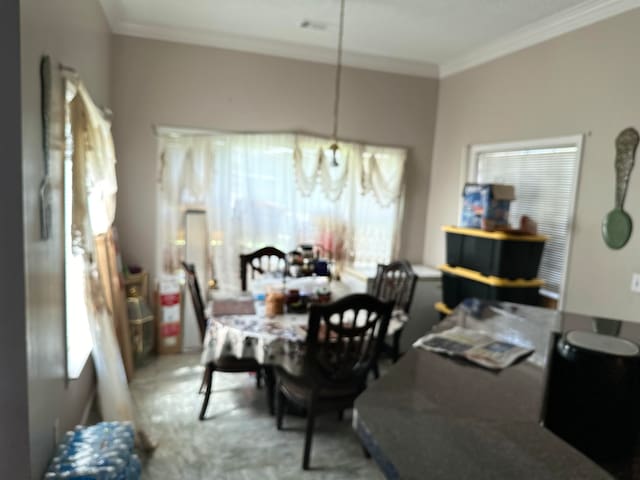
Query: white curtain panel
[248, 197]
[186, 165]
[100, 175]
[94, 202]
[274, 189]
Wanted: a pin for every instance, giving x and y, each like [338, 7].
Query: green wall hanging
[617, 224]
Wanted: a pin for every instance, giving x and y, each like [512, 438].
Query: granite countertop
[436, 417]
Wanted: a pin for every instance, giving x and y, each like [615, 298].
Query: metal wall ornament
[617, 224]
[45, 187]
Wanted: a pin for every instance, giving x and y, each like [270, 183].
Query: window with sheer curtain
[281, 190]
[90, 188]
[544, 173]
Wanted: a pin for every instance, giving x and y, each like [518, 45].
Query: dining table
[236, 328]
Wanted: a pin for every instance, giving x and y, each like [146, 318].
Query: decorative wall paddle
[45, 187]
[617, 225]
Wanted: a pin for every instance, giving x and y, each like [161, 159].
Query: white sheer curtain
[380, 206]
[251, 203]
[184, 181]
[281, 190]
[89, 147]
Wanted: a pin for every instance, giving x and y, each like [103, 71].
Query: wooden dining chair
[261, 261]
[395, 282]
[344, 339]
[227, 364]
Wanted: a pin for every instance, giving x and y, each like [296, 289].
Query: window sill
[76, 363]
[549, 294]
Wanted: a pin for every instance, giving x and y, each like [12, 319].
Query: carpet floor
[238, 440]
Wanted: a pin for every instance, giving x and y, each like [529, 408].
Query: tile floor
[239, 439]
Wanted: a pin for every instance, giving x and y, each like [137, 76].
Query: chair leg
[311, 412]
[208, 378]
[375, 370]
[270, 382]
[366, 452]
[396, 346]
[259, 378]
[203, 383]
[282, 402]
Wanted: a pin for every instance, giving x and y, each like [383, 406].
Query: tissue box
[487, 202]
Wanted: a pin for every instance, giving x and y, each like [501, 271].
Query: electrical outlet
[635, 282]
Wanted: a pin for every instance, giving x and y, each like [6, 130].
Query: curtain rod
[69, 70]
[168, 130]
[72, 72]
[161, 130]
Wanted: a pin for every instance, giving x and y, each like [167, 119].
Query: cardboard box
[486, 205]
[140, 282]
[169, 331]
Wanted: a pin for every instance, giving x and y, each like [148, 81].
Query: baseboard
[86, 411]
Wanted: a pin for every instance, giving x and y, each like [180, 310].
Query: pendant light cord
[336, 101]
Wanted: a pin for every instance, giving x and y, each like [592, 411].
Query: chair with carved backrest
[263, 260]
[225, 364]
[396, 282]
[344, 339]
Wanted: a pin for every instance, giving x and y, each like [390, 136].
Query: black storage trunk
[460, 283]
[592, 398]
[498, 254]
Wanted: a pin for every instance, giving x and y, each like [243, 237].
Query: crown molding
[568, 20]
[544, 29]
[110, 9]
[275, 48]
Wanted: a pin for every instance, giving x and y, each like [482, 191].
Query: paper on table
[473, 345]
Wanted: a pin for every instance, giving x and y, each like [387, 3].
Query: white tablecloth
[277, 341]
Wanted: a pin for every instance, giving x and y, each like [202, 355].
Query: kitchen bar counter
[436, 417]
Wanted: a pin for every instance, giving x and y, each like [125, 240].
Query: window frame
[469, 173]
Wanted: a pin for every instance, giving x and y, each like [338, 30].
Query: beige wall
[586, 82]
[74, 32]
[173, 84]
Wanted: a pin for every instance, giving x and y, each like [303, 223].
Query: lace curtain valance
[379, 169]
[277, 189]
[383, 173]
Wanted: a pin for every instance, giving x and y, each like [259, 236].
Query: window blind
[544, 180]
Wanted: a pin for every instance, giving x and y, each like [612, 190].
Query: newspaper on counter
[475, 346]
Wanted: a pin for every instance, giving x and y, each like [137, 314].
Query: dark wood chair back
[397, 282]
[261, 261]
[196, 297]
[344, 339]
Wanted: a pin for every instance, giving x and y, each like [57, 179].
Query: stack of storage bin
[491, 266]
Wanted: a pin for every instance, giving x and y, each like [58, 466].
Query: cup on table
[259, 304]
[274, 304]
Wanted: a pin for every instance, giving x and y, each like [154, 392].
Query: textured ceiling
[423, 31]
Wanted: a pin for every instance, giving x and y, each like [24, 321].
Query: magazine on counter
[475, 346]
